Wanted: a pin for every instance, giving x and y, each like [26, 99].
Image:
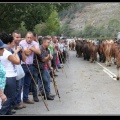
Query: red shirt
[45, 67]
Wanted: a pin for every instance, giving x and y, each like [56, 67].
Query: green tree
[40, 29]
[65, 28]
[36, 13]
[11, 16]
[87, 31]
[22, 30]
[62, 6]
[53, 23]
[113, 27]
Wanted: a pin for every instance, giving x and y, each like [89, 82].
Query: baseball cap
[2, 45]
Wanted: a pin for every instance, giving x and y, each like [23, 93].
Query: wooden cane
[55, 84]
[36, 86]
[63, 67]
[41, 77]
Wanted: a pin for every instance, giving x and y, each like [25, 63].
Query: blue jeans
[25, 83]
[21, 84]
[10, 92]
[17, 90]
[49, 78]
[58, 63]
[45, 79]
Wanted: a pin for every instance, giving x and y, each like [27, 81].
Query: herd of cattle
[108, 51]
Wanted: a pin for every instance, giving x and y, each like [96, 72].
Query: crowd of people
[38, 57]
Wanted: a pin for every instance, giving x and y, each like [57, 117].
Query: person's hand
[31, 48]
[48, 56]
[3, 97]
[19, 48]
[51, 57]
[51, 68]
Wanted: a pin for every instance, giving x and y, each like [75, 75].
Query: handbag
[20, 72]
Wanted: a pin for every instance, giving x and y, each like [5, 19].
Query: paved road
[89, 89]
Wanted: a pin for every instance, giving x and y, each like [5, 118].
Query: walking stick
[64, 58]
[39, 70]
[55, 85]
[63, 67]
[41, 77]
[36, 86]
[68, 56]
[61, 61]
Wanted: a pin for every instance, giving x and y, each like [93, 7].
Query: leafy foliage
[11, 16]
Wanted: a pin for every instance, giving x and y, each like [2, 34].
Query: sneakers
[13, 111]
[36, 99]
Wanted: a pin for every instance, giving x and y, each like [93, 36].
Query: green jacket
[51, 49]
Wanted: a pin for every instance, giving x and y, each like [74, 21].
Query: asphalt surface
[85, 89]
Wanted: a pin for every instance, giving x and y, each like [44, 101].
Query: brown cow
[93, 52]
[72, 45]
[101, 52]
[86, 50]
[78, 48]
[117, 56]
[107, 52]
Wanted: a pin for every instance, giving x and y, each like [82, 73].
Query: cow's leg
[107, 61]
[115, 61]
[76, 54]
[117, 72]
[110, 61]
[95, 57]
[91, 59]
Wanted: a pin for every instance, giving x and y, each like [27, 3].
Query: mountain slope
[96, 14]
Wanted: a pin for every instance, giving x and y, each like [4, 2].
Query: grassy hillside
[94, 14]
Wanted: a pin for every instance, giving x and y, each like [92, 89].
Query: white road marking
[109, 74]
[108, 71]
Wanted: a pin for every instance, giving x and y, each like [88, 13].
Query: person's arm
[46, 58]
[2, 96]
[14, 58]
[35, 49]
[27, 51]
[49, 65]
[22, 53]
[54, 46]
[23, 56]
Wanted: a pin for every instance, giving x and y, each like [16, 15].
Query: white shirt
[8, 65]
[61, 46]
